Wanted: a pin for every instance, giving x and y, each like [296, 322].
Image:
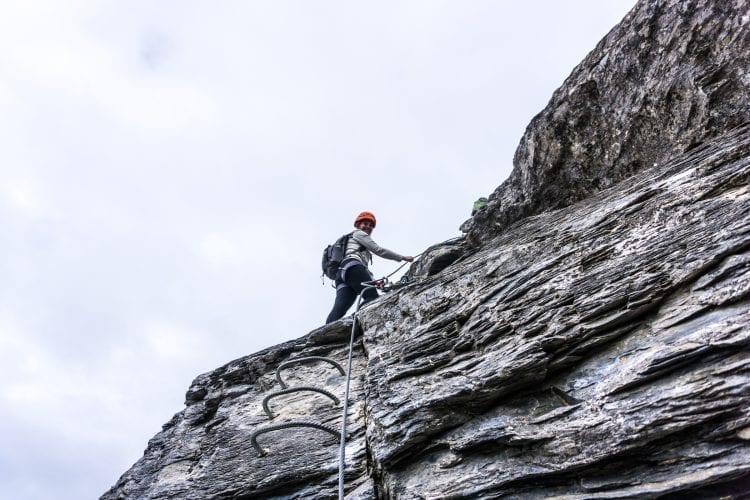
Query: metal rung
[299, 361]
[287, 425]
[295, 389]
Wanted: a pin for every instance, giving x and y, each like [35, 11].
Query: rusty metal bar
[295, 389]
[287, 425]
[299, 361]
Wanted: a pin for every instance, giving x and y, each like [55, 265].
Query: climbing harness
[401, 282]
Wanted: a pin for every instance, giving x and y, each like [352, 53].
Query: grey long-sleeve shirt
[360, 239]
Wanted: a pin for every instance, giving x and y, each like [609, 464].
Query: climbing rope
[402, 265]
[386, 285]
[384, 279]
[383, 284]
[342, 448]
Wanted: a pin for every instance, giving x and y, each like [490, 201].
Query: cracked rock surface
[206, 450]
[671, 75]
[588, 338]
[600, 351]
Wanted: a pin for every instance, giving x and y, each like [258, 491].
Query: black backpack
[333, 255]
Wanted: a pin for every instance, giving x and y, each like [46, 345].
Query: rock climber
[354, 271]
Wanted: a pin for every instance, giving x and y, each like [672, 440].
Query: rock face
[597, 350]
[670, 76]
[206, 451]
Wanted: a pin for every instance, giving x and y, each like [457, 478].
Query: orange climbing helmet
[365, 216]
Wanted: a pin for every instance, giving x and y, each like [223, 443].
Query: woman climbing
[353, 270]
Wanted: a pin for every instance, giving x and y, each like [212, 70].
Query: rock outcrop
[601, 350]
[589, 339]
[670, 76]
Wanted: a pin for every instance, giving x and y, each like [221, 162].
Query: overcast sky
[171, 170]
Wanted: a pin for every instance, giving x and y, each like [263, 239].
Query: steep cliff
[671, 75]
[588, 339]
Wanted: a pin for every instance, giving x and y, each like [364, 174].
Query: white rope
[402, 265]
[342, 447]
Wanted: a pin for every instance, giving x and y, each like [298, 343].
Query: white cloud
[53, 54]
[221, 249]
[169, 340]
[22, 195]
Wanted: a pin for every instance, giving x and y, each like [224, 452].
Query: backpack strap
[361, 246]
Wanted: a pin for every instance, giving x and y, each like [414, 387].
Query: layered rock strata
[598, 351]
[670, 76]
[602, 350]
[589, 338]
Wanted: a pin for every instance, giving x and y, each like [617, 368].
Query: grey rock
[670, 76]
[437, 257]
[596, 351]
[583, 340]
[206, 450]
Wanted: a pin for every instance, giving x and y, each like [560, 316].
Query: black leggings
[347, 294]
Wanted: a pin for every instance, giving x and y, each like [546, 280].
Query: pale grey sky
[170, 171]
